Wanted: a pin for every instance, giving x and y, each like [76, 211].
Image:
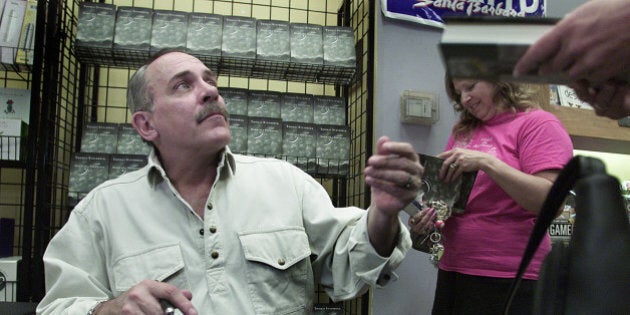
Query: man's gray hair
[138, 98]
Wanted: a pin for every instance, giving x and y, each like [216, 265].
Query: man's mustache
[211, 109]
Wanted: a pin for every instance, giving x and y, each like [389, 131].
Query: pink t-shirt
[489, 238]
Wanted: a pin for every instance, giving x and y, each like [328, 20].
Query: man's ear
[141, 121]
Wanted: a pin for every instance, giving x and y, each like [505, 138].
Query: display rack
[70, 90]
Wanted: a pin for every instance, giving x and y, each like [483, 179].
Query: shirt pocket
[279, 275]
[161, 263]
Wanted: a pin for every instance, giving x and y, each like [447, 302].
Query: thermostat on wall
[419, 108]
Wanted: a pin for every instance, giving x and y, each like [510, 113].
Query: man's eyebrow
[186, 73]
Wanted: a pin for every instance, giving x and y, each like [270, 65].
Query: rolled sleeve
[366, 267]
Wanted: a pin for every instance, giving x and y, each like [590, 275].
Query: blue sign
[430, 12]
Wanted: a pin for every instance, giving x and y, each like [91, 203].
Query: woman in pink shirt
[518, 150]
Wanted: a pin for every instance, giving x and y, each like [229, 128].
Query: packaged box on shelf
[168, 30]
[10, 28]
[95, 30]
[12, 138]
[25, 52]
[8, 278]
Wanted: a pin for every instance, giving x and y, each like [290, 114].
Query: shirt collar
[156, 173]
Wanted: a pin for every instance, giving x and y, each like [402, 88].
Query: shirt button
[281, 262]
[213, 229]
[209, 206]
[214, 254]
[200, 231]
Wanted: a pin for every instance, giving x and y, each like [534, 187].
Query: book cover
[264, 136]
[168, 30]
[132, 31]
[99, 137]
[25, 53]
[239, 37]
[273, 40]
[123, 163]
[307, 43]
[329, 110]
[264, 104]
[454, 194]
[299, 144]
[95, 29]
[488, 47]
[236, 100]
[87, 170]
[15, 103]
[338, 44]
[297, 107]
[333, 149]
[128, 141]
[10, 28]
[238, 130]
[205, 33]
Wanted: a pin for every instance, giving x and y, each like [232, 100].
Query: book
[95, 29]
[132, 34]
[25, 52]
[15, 103]
[87, 170]
[204, 37]
[273, 40]
[128, 141]
[338, 46]
[454, 194]
[297, 107]
[264, 104]
[239, 37]
[299, 144]
[238, 129]
[99, 137]
[329, 110]
[333, 149]
[236, 100]
[10, 28]
[120, 164]
[306, 43]
[488, 47]
[264, 136]
[168, 30]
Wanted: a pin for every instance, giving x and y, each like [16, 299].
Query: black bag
[592, 274]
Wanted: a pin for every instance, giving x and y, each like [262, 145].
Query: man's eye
[182, 85]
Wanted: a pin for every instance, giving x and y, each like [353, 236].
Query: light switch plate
[419, 108]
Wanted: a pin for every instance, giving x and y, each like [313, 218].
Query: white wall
[408, 59]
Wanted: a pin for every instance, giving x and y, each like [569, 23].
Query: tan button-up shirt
[270, 232]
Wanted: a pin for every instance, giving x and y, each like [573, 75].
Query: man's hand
[590, 43]
[144, 298]
[611, 99]
[394, 174]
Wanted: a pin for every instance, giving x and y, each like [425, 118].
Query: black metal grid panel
[360, 99]
[19, 187]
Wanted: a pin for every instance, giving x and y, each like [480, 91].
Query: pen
[168, 308]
